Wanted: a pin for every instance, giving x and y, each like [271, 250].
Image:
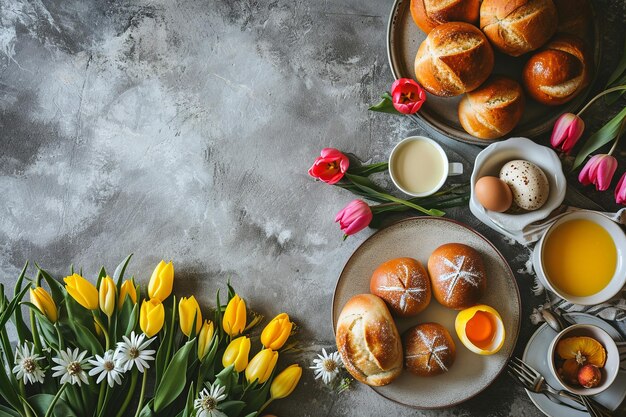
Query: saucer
[535, 356]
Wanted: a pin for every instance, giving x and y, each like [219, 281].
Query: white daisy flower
[133, 352]
[327, 366]
[107, 367]
[26, 366]
[71, 366]
[207, 401]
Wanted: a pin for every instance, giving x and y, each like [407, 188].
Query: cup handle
[455, 168]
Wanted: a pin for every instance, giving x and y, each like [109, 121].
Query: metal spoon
[552, 319]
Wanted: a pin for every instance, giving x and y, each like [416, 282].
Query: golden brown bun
[458, 275]
[428, 14]
[492, 110]
[454, 58]
[429, 349]
[559, 72]
[403, 284]
[574, 17]
[518, 26]
[368, 341]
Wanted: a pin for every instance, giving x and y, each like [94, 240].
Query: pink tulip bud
[566, 132]
[407, 96]
[599, 171]
[620, 190]
[354, 217]
[330, 167]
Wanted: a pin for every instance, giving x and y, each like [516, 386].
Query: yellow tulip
[204, 339]
[188, 309]
[285, 382]
[162, 281]
[276, 332]
[83, 291]
[234, 320]
[107, 295]
[261, 366]
[44, 302]
[151, 317]
[237, 353]
[127, 289]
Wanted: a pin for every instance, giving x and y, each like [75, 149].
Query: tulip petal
[620, 190]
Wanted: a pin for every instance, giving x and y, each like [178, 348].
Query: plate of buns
[495, 68]
[426, 312]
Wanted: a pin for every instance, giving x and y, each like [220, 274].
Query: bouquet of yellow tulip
[104, 351]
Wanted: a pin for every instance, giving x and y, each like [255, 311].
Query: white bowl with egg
[490, 161]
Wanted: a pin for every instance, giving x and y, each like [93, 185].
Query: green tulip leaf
[7, 390]
[232, 408]
[253, 414]
[600, 138]
[385, 105]
[366, 170]
[7, 412]
[41, 402]
[131, 320]
[10, 308]
[118, 275]
[167, 336]
[227, 378]
[147, 410]
[174, 379]
[364, 184]
[188, 410]
[20, 279]
[57, 290]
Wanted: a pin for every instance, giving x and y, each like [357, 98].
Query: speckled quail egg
[528, 184]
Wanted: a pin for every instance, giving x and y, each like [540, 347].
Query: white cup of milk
[419, 167]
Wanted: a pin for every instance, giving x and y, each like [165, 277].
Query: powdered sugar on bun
[403, 284]
[458, 275]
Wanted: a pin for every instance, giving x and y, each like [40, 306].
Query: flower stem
[55, 399]
[129, 395]
[619, 135]
[101, 394]
[265, 405]
[104, 330]
[60, 339]
[142, 393]
[605, 92]
[33, 327]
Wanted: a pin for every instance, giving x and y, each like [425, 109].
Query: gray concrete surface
[184, 129]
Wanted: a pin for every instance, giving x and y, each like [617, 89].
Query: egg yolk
[480, 329]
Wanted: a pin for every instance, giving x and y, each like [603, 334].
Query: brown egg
[493, 193]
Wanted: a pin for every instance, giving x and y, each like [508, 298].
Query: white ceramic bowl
[494, 156]
[611, 367]
[619, 277]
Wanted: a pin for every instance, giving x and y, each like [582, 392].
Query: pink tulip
[330, 167]
[620, 190]
[354, 217]
[407, 95]
[599, 171]
[566, 132]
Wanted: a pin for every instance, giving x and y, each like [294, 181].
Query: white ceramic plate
[535, 355]
[418, 238]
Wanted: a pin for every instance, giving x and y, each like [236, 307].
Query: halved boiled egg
[480, 329]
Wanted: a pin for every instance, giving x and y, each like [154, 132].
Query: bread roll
[518, 26]
[403, 284]
[454, 58]
[368, 341]
[559, 72]
[457, 275]
[429, 349]
[574, 17]
[492, 110]
[428, 14]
